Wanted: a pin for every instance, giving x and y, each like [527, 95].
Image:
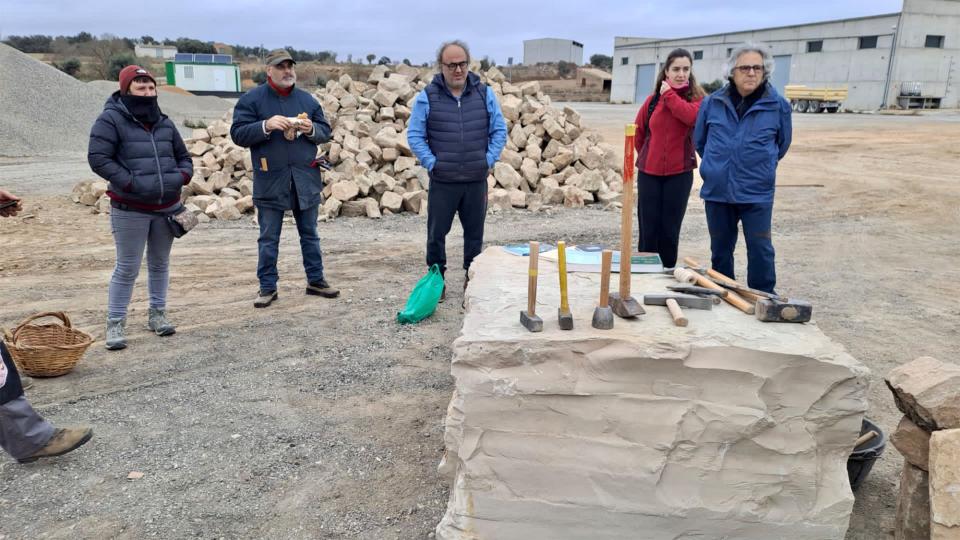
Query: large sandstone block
[913, 505]
[945, 485]
[728, 428]
[928, 392]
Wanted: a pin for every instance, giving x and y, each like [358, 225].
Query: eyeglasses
[454, 66]
[748, 69]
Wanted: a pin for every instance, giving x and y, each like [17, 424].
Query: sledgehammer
[529, 318]
[563, 313]
[603, 315]
[622, 303]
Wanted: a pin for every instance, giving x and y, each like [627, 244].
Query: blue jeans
[271, 223]
[722, 219]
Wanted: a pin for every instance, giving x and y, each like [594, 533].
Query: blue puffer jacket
[739, 156]
[146, 169]
[279, 164]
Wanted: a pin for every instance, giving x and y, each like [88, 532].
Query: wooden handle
[605, 259]
[626, 210]
[676, 312]
[532, 279]
[732, 298]
[562, 262]
[865, 438]
[685, 276]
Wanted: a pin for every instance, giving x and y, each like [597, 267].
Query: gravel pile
[42, 110]
[180, 107]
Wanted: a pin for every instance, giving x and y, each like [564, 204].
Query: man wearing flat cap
[282, 126]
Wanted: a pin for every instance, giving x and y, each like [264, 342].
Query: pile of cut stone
[927, 391]
[549, 158]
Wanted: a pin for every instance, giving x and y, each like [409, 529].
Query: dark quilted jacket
[459, 131]
[145, 168]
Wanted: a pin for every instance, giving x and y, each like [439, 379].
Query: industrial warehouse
[907, 60]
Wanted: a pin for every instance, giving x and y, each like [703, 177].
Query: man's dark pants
[722, 219]
[466, 199]
[271, 223]
[22, 430]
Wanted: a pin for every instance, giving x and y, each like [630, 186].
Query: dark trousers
[271, 223]
[469, 201]
[722, 219]
[661, 205]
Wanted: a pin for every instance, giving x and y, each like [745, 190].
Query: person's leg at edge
[676, 193]
[722, 223]
[268, 247]
[443, 199]
[22, 431]
[649, 207]
[159, 243]
[757, 224]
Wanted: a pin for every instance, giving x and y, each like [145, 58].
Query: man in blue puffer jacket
[457, 132]
[285, 172]
[742, 132]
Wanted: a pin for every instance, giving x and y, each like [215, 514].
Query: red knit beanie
[128, 74]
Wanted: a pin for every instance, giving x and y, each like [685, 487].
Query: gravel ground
[323, 419]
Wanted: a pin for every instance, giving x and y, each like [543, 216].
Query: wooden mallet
[564, 316]
[622, 303]
[529, 318]
[603, 314]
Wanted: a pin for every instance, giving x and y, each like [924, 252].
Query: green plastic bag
[424, 298]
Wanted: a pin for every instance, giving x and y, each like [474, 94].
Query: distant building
[204, 73]
[594, 79]
[223, 48]
[910, 58]
[552, 50]
[155, 51]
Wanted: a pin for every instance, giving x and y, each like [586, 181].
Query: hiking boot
[322, 288]
[64, 440]
[157, 321]
[265, 298]
[115, 337]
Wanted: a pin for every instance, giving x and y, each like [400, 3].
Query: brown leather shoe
[322, 288]
[443, 294]
[64, 440]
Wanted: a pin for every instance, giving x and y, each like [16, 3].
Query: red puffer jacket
[669, 149]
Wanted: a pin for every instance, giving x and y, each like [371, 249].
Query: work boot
[115, 338]
[265, 298]
[64, 440]
[157, 321]
[322, 288]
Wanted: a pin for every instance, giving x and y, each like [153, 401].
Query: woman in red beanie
[138, 150]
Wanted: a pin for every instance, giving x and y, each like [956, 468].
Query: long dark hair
[695, 91]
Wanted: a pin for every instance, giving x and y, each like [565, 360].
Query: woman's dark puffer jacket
[146, 168]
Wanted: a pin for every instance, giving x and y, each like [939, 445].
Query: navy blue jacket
[455, 138]
[288, 163]
[739, 156]
[145, 168]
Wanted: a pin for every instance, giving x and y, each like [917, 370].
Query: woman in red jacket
[666, 156]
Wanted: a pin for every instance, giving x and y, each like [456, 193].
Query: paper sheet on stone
[728, 427]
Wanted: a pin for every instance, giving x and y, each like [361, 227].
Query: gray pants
[131, 232]
[22, 430]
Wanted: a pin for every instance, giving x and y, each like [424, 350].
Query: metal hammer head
[684, 300]
[565, 318]
[627, 308]
[532, 323]
[603, 318]
[792, 310]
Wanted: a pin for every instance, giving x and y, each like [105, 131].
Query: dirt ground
[321, 418]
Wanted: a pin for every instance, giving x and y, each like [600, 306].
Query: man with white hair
[743, 130]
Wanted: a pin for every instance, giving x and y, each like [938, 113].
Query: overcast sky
[495, 28]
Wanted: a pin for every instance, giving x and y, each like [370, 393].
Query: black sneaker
[264, 299]
[322, 288]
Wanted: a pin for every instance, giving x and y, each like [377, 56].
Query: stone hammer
[564, 316]
[673, 303]
[603, 314]
[529, 318]
[623, 304]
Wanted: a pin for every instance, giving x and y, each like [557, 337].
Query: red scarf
[282, 91]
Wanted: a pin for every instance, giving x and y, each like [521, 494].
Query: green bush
[117, 62]
[712, 87]
[70, 67]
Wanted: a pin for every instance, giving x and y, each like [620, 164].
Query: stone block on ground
[506, 175]
[927, 391]
[912, 520]
[345, 190]
[391, 201]
[912, 442]
[945, 485]
[414, 200]
[728, 428]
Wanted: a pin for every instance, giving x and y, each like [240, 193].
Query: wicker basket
[46, 350]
